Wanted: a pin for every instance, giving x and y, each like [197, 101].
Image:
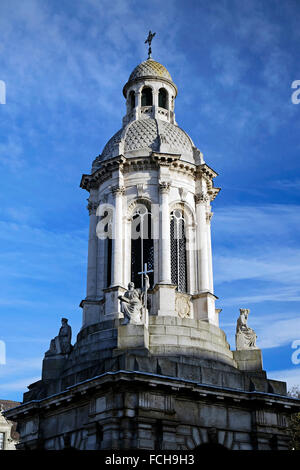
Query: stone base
[204, 308]
[248, 359]
[164, 300]
[133, 336]
[53, 366]
[129, 410]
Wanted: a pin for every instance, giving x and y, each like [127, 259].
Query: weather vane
[149, 40]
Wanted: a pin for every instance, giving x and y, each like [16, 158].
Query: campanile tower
[151, 368]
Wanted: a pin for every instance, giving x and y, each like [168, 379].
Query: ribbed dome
[150, 68]
[147, 135]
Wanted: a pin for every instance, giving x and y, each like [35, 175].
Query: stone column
[203, 256]
[164, 236]
[204, 301]
[92, 252]
[138, 104]
[164, 291]
[117, 246]
[155, 103]
[209, 252]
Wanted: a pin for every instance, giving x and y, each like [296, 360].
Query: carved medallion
[182, 306]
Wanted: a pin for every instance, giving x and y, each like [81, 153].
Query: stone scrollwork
[245, 337]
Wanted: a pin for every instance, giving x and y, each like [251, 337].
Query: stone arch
[131, 100]
[105, 212]
[209, 439]
[134, 203]
[140, 240]
[188, 211]
[190, 234]
[147, 96]
[163, 98]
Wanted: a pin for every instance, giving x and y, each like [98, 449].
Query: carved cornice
[205, 170]
[213, 192]
[164, 159]
[103, 173]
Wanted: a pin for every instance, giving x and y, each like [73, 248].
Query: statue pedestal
[248, 359]
[132, 336]
[53, 366]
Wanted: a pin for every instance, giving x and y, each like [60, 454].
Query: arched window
[147, 96]
[163, 98]
[132, 100]
[141, 245]
[178, 250]
[106, 234]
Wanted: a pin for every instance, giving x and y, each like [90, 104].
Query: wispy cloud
[19, 386]
[291, 376]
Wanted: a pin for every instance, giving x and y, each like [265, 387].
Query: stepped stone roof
[148, 134]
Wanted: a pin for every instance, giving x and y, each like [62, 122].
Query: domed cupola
[149, 124]
[150, 93]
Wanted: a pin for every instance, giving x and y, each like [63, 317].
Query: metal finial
[149, 40]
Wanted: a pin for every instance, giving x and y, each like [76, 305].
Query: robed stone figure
[61, 344]
[245, 337]
[131, 305]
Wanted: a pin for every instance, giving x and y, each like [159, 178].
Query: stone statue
[61, 344]
[245, 337]
[65, 335]
[132, 305]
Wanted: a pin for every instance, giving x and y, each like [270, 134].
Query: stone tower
[151, 369]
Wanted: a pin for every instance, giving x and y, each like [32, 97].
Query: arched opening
[132, 100]
[142, 251]
[106, 235]
[147, 96]
[178, 250]
[163, 98]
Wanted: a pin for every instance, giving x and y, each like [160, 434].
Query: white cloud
[291, 376]
[17, 367]
[19, 385]
[258, 243]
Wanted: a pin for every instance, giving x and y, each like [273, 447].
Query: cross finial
[149, 41]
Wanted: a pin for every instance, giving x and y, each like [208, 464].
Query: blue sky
[64, 64]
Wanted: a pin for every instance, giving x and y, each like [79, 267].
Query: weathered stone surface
[248, 359]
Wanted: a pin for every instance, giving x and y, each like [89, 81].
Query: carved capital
[92, 207]
[201, 198]
[118, 190]
[164, 187]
